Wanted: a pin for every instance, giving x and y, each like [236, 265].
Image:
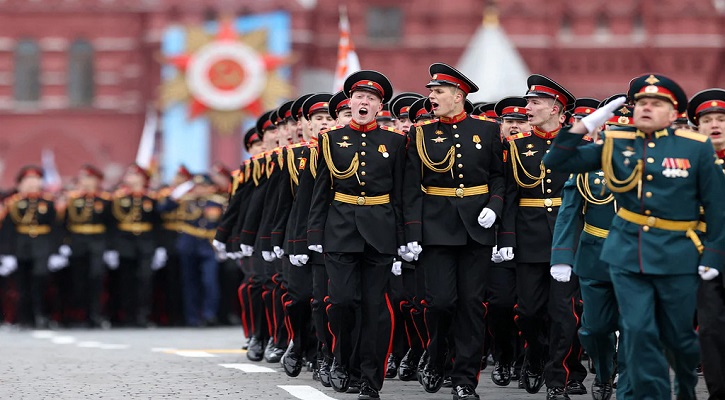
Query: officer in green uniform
[586, 212]
[660, 178]
[706, 110]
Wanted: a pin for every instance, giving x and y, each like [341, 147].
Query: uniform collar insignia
[458, 118]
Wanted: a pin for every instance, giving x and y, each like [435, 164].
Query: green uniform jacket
[576, 210]
[680, 173]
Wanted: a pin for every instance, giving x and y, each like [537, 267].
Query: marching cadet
[582, 225]
[681, 121]
[501, 282]
[30, 234]
[136, 223]
[198, 209]
[706, 111]
[299, 214]
[88, 222]
[356, 217]
[385, 117]
[453, 195]
[300, 279]
[660, 178]
[407, 344]
[340, 109]
[533, 197]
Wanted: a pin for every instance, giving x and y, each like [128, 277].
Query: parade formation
[413, 236]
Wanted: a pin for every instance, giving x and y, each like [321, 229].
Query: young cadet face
[270, 138]
[541, 110]
[30, 184]
[403, 124]
[256, 148]
[344, 117]
[389, 124]
[652, 114]
[320, 121]
[446, 100]
[134, 181]
[303, 128]
[513, 126]
[283, 134]
[364, 106]
[88, 182]
[713, 125]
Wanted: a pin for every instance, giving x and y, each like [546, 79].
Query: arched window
[27, 71]
[81, 88]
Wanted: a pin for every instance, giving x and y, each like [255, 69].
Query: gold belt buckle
[651, 221]
[32, 232]
[459, 192]
[361, 200]
[548, 202]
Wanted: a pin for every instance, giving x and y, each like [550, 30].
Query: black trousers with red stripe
[279, 290]
[357, 296]
[319, 304]
[548, 306]
[455, 279]
[298, 305]
[501, 297]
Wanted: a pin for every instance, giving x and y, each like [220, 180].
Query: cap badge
[623, 120]
[713, 104]
[435, 76]
[651, 89]
[529, 146]
[624, 110]
[370, 83]
[652, 80]
[516, 109]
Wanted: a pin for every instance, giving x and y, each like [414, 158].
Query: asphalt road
[174, 364]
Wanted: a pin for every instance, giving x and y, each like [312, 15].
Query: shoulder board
[686, 133]
[619, 134]
[389, 129]
[296, 145]
[331, 129]
[236, 172]
[481, 117]
[259, 156]
[587, 138]
[518, 136]
[430, 121]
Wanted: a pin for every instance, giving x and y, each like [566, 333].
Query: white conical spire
[492, 62]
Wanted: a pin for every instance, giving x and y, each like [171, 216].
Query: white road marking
[305, 392]
[63, 339]
[248, 367]
[162, 349]
[43, 334]
[195, 354]
[89, 344]
[113, 346]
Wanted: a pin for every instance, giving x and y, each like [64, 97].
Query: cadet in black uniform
[533, 198]
[356, 217]
[453, 194]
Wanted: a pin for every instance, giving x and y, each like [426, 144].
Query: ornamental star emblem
[652, 80]
[439, 139]
[344, 144]
[530, 153]
[624, 110]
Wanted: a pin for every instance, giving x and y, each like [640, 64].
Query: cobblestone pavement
[174, 364]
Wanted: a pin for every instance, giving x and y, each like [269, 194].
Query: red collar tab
[367, 128]
[721, 154]
[546, 135]
[458, 118]
[450, 78]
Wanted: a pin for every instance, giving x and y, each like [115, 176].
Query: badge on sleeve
[383, 150]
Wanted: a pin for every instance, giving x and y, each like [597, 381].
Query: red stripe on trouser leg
[417, 329]
[241, 291]
[568, 353]
[267, 304]
[390, 338]
[251, 309]
[329, 328]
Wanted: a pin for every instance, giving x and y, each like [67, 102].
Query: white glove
[486, 218]
[397, 269]
[317, 248]
[160, 258]
[495, 256]
[415, 248]
[707, 273]
[110, 257]
[278, 251]
[294, 261]
[246, 250]
[507, 253]
[56, 262]
[302, 259]
[405, 254]
[268, 256]
[219, 246]
[221, 256]
[238, 255]
[8, 264]
[561, 272]
[182, 190]
[65, 251]
[602, 115]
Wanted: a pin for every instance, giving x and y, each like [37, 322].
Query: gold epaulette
[518, 136]
[389, 129]
[619, 135]
[296, 145]
[686, 133]
[219, 199]
[259, 156]
[330, 129]
[430, 121]
[480, 117]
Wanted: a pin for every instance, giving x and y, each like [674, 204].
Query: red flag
[347, 61]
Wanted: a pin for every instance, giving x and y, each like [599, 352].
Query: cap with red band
[444, 74]
[542, 86]
[657, 86]
[369, 81]
[317, 103]
[706, 102]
